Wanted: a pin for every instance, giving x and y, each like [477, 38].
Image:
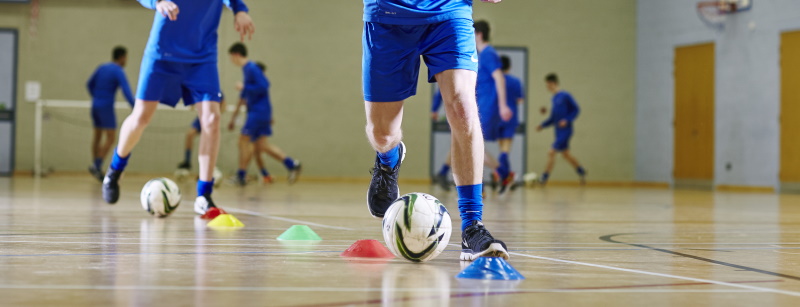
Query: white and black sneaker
[294, 173]
[96, 173]
[383, 189]
[202, 204]
[477, 242]
[111, 186]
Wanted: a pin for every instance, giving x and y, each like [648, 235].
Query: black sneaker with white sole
[294, 173]
[383, 189]
[96, 173]
[477, 242]
[202, 204]
[111, 186]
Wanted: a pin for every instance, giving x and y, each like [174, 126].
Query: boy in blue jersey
[491, 95]
[507, 128]
[562, 114]
[396, 34]
[103, 87]
[180, 61]
[258, 127]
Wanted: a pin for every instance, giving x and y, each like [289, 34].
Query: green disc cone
[299, 233]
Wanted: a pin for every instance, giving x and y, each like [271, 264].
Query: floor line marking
[285, 219]
[721, 283]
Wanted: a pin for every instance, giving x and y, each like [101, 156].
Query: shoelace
[482, 232]
[384, 179]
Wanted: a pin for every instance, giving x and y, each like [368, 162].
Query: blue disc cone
[490, 268]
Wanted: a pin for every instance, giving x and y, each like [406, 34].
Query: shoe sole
[295, 175]
[402, 158]
[494, 250]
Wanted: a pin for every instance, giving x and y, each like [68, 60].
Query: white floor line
[721, 283]
[248, 212]
[343, 289]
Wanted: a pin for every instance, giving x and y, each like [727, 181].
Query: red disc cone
[367, 249]
[213, 213]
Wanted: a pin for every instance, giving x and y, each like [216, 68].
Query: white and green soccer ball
[417, 227]
[160, 197]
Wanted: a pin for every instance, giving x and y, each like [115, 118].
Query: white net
[66, 136]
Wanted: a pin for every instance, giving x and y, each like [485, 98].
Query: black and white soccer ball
[417, 227]
[160, 197]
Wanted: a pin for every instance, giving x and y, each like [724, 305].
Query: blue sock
[241, 174]
[289, 163]
[444, 170]
[391, 157]
[98, 163]
[119, 163]
[504, 163]
[187, 156]
[580, 170]
[204, 188]
[545, 176]
[264, 172]
[470, 203]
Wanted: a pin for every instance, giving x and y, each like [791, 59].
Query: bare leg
[505, 145]
[257, 149]
[458, 92]
[383, 124]
[190, 135]
[134, 125]
[96, 136]
[245, 151]
[551, 160]
[272, 150]
[103, 150]
[490, 161]
[571, 159]
[209, 114]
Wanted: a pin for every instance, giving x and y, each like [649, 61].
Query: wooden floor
[60, 245]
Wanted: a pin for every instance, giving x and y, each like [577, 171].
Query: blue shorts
[391, 55]
[196, 125]
[507, 129]
[167, 82]
[490, 128]
[256, 129]
[104, 118]
[562, 139]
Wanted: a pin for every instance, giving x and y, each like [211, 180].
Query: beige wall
[312, 48]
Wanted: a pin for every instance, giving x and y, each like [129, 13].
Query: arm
[242, 21]
[500, 84]
[126, 89]
[252, 84]
[574, 110]
[90, 84]
[232, 124]
[166, 8]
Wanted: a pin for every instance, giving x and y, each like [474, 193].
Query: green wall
[313, 51]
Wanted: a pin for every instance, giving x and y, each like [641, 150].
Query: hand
[539, 128]
[491, 1]
[231, 126]
[435, 116]
[543, 110]
[168, 9]
[272, 122]
[562, 123]
[505, 113]
[244, 25]
[239, 86]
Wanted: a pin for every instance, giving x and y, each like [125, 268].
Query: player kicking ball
[562, 114]
[103, 87]
[258, 127]
[180, 61]
[396, 34]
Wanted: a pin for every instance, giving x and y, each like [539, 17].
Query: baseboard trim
[744, 188]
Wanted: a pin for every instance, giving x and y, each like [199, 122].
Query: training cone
[213, 213]
[299, 233]
[224, 221]
[367, 249]
[490, 268]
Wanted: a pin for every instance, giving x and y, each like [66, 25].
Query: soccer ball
[160, 197]
[417, 227]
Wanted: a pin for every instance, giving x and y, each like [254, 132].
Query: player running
[258, 127]
[505, 133]
[180, 61]
[396, 33]
[562, 114]
[103, 85]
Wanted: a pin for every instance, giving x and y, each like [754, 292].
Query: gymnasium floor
[61, 245]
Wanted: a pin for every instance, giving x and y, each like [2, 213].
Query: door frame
[15, 105]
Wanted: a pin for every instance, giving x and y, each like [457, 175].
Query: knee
[210, 122]
[462, 104]
[383, 135]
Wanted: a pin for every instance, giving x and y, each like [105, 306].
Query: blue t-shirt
[192, 38]
[415, 12]
[513, 94]
[488, 62]
[104, 83]
[256, 92]
[564, 107]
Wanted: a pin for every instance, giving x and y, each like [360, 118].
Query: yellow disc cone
[225, 221]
